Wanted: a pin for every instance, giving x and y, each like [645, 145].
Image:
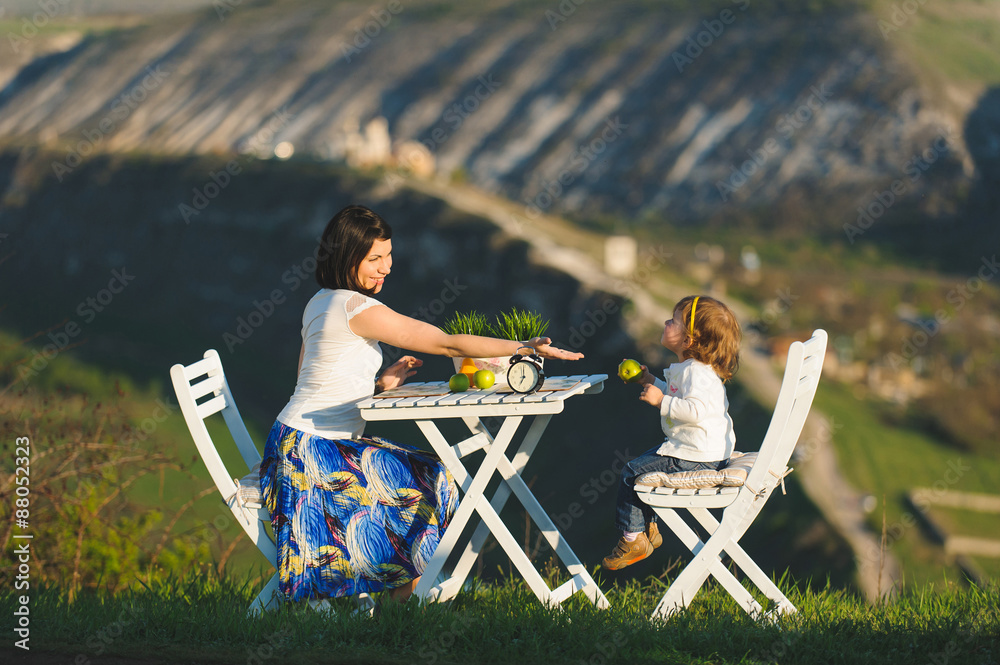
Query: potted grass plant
[518, 325]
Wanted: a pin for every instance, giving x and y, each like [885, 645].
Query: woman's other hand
[398, 372]
[543, 346]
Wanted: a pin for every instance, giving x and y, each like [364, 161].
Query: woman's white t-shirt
[338, 367]
[695, 413]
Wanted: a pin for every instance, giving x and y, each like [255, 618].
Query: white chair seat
[710, 497]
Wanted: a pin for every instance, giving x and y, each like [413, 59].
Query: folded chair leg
[679, 595]
[694, 575]
[759, 578]
[747, 565]
[266, 598]
[737, 590]
[365, 604]
[680, 528]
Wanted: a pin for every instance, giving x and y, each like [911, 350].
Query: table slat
[479, 403]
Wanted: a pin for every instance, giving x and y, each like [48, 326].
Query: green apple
[484, 378]
[458, 383]
[630, 371]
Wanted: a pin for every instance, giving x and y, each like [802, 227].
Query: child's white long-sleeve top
[695, 413]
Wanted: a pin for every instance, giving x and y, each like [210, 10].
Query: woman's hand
[651, 395]
[543, 346]
[399, 371]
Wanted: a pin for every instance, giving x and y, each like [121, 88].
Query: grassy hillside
[113, 476]
[953, 45]
[888, 462]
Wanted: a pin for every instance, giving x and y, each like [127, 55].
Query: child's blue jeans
[632, 514]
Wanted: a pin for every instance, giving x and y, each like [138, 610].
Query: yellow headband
[694, 306]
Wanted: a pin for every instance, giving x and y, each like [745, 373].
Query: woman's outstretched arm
[385, 325]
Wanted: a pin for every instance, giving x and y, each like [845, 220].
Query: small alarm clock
[525, 373]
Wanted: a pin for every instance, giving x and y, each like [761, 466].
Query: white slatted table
[512, 407]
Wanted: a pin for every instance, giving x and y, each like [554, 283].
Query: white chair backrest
[798, 387]
[211, 387]
[205, 380]
[214, 392]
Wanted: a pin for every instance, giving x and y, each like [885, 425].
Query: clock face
[523, 376]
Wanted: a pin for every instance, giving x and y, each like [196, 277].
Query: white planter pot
[498, 365]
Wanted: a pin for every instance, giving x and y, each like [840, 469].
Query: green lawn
[203, 619]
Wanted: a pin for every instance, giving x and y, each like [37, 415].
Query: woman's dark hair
[348, 238]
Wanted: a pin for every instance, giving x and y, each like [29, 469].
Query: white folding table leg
[510, 471]
[746, 564]
[445, 452]
[468, 505]
[548, 528]
[491, 521]
[499, 500]
[453, 463]
[514, 551]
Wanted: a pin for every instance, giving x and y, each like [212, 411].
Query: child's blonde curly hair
[714, 332]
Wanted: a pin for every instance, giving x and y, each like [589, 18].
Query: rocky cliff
[628, 109]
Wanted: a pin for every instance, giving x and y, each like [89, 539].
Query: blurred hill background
[828, 163]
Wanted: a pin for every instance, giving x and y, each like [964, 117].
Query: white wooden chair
[202, 391]
[741, 504]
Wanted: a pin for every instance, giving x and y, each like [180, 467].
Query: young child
[694, 413]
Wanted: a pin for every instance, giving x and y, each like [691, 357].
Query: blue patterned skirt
[352, 515]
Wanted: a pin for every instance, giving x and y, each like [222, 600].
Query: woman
[356, 514]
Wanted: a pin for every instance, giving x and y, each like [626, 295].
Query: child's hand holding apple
[630, 371]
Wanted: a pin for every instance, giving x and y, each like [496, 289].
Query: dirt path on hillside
[815, 459]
